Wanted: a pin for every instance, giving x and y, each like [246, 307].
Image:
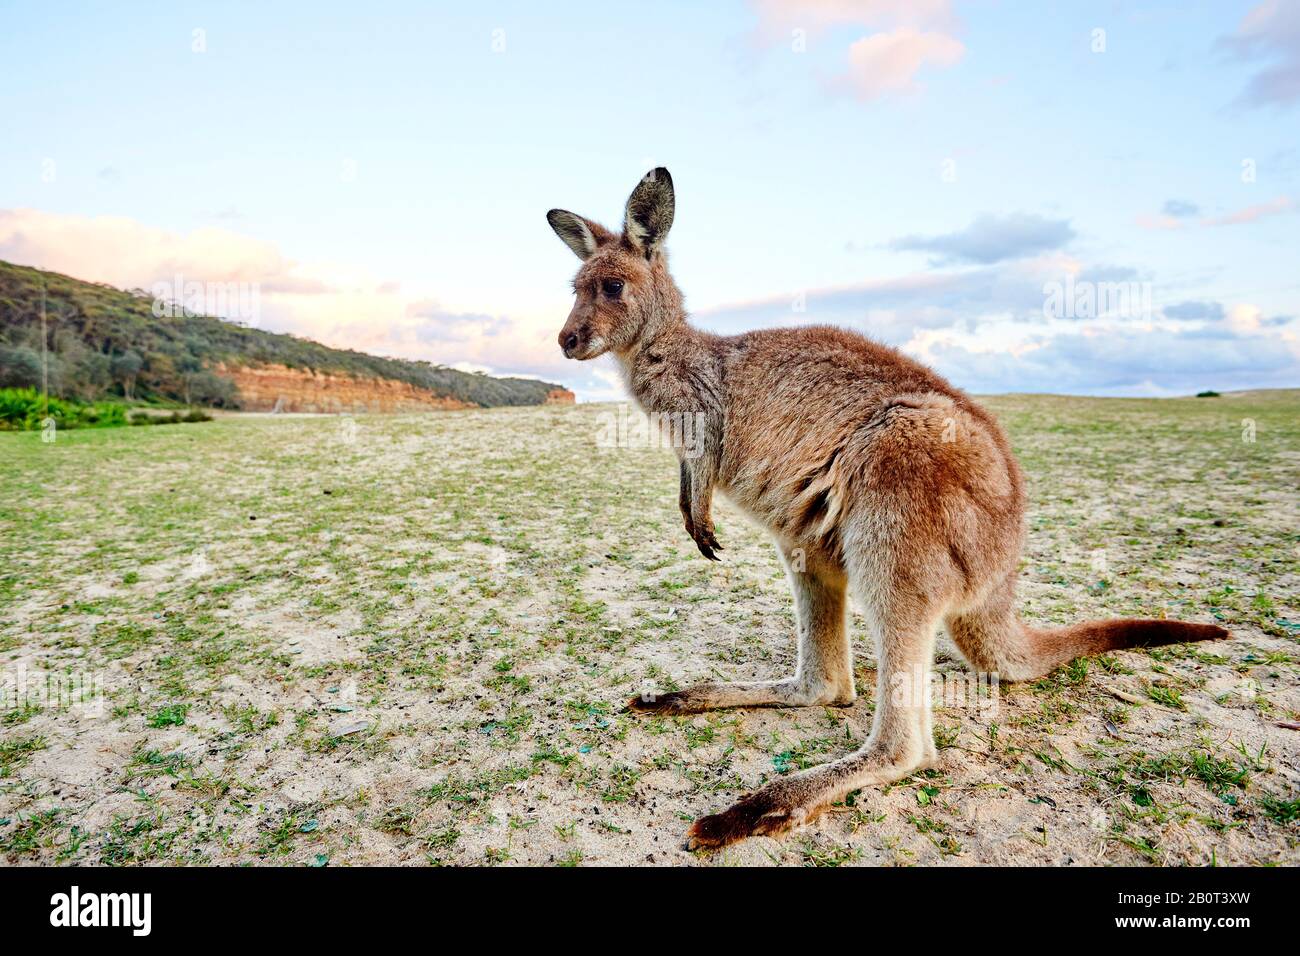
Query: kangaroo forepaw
[770, 811]
[707, 543]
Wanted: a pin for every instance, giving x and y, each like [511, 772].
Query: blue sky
[922, 171]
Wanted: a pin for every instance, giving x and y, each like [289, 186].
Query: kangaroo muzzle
[569, 343]
[575, 338]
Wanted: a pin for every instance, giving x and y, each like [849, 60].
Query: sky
[1080, 197]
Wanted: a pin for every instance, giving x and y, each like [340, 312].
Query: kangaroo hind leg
[825, 671]
[899, 744]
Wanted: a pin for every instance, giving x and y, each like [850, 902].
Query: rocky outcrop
[560, 396]
[268, 388]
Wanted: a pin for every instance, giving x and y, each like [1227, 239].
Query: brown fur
[871, 472]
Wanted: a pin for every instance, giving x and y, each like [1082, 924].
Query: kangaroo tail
[995, 640]
[1054, 647]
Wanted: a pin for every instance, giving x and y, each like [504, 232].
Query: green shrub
[16, 404]
[25, 409]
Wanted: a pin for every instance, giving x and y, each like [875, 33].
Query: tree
[159, 375]
[20, 367]
[208, 388]
[90, 374]
[84, 372]
[125, 368]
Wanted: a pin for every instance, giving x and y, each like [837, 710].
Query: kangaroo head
[624, 293]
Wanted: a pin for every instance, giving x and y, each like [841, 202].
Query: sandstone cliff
[266, 388]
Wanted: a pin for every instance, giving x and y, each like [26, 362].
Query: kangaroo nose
[570, 342]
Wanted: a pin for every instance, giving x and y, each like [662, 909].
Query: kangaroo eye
[612, 287]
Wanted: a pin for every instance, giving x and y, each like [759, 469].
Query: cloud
[1126, 358]
[1159, 222]
[1268, 37]
[887, 63]
[889, 309]
[1131, 362]
[435, 324]
[1107, 274]
[992, 238]
[1180, 208]
[894, 309]
[1252, 213]
[1194, 310]
[1246, 319]
[986, 329]
[1248, 214]
[906, 36]
[129, 254]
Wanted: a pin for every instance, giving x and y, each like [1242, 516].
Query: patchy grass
[15, 753]
[409, 639]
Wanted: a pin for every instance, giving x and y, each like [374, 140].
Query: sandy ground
[407, 640]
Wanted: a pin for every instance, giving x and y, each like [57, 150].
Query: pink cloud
[126, 253]
[1251, 213]
[886, 63]
[1274, 207]
[907, 36]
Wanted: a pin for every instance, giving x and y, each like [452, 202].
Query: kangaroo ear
[649, 213]
[581, 235]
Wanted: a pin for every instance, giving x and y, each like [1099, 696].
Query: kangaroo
[871, 472]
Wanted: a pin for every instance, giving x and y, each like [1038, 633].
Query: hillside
[105, 342]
